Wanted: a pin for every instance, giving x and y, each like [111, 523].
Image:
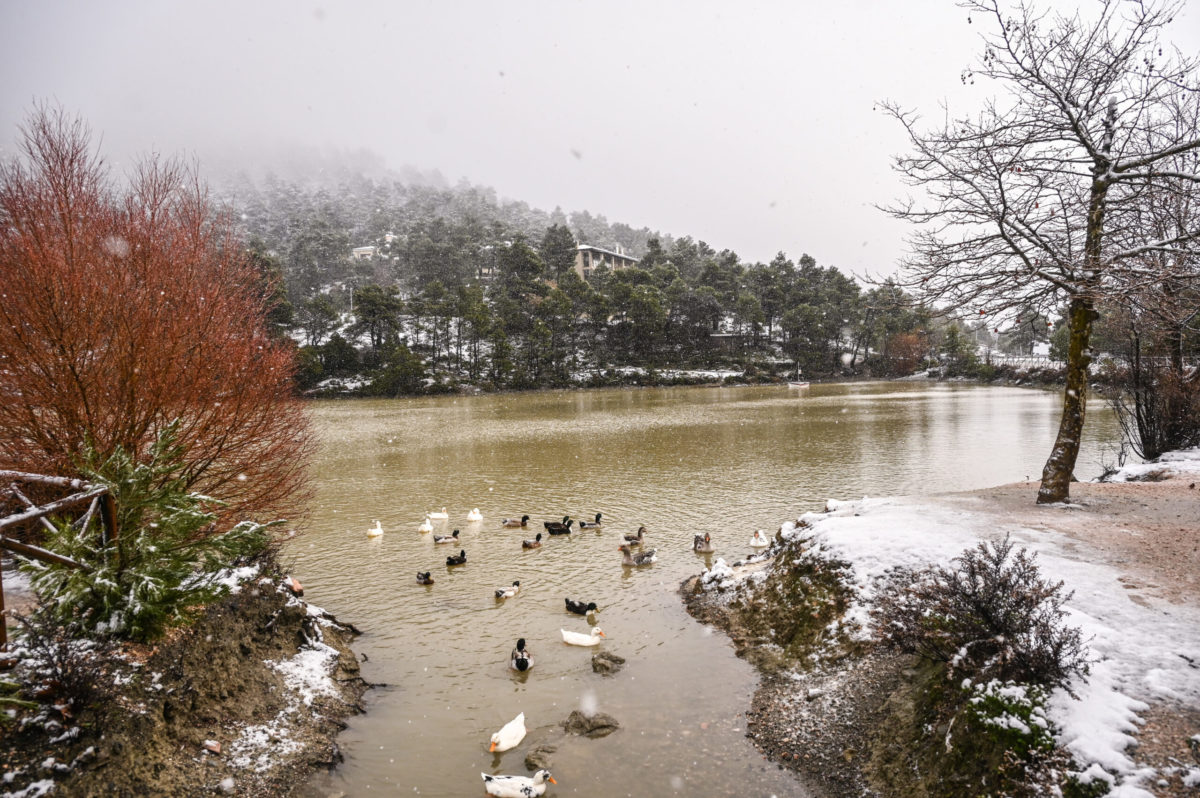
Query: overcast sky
[750, 126]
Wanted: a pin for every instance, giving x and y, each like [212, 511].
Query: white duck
[451, 538]
[508, 592]
[426, 525]
[510, 734]
[439, 515]
[579, 639]
[375, 531]
[760, 539]
[517, 786]
[475, 515]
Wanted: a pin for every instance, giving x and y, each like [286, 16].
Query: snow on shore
[1143, 651]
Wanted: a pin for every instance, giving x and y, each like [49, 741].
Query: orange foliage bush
[124, 307]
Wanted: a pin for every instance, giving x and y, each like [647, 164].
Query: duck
[439, 515]
[426, 525]
[559, 528]
[517, 786]
[591, 524]
[520, 659]
[579, 608]
[641, 558]
[759, 539]
[536, 543]
[508, 592]
[475, 515]
[424, 578]
[451, 538]
[639, 538]
[580, 639]
[703, 544]
[457, 559]
[510, 734]
[512, 523]
[375, 531]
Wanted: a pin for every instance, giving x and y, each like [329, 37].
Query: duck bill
[551, 780]
[492, 748]
[603, 635]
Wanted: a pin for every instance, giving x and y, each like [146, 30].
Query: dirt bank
[840, 716]
[246, 701]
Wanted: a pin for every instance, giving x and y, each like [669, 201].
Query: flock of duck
[521, 659]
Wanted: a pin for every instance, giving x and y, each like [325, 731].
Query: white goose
[580, 639]
[475, 515]
[426, 525]
[375, 531]
[441, 515]
[517, 786]
[510, 734]
[760, 539]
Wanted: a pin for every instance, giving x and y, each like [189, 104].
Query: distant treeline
[453, 286]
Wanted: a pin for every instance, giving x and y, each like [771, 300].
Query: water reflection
[682, 462]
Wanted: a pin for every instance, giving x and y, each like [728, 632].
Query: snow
[307, 673]
[1183, 464]
[34, 790]
[1140, 651]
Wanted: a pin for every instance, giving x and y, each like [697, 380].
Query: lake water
[681, 461]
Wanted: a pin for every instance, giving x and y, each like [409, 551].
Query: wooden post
[108, 518]
[3, 616]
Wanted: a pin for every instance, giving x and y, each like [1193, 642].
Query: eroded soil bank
[246, 701]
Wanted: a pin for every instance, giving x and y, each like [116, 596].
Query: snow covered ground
[1145, 650]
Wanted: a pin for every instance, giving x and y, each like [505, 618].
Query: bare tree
[1030, 204]
[125, 310]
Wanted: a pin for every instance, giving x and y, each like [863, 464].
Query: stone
[606, 663]
[538, 757]
[593, 726]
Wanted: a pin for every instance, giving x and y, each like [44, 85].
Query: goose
[375, 531]
[451, 538]
[439, 515]
[639, 538]
[579, 608]
[512, 523]
[426, 525]
[520, 659]
[508, 592]
[641, 558]
[760, 540]
[475, 515]
[424, 578]
[580, 639]
[703, 544]
[510, 734]
[559, 529]
[536, 543]
[591, 524]
[457, 559]
[517, 786]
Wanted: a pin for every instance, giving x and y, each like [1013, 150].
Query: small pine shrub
[991, 617]
[58, 668]
[165, 558]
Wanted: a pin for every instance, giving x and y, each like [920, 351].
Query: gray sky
[750, 126]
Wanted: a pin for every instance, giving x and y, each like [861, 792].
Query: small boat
[797, 384]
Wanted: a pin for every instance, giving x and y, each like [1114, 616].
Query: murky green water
[685, 461]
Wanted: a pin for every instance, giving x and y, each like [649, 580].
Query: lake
[680, 461]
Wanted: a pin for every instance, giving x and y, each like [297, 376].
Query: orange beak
[493, 748]
[603, 635]
[551, 780]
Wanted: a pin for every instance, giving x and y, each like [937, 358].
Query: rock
[598, 725]
[226, 784]
[606, 663]
[539, 757]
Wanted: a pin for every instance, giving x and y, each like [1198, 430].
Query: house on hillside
[588, 259]
[363, 253]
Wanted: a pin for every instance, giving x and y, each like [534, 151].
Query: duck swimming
[639, 538]
[520, 659]
[536, 543]
[510, 734]
[439, 515]
[517, 786]
[508, 592]
[579, 608]
[426, 525]
[475, 515]
[457, 559]
[760, 540]
[703, 544]
[641, 558]
[375, 531]
[512, 523]
[451, 538]
[424, 578]
[591, 524]
[580, 639]
[558, 527]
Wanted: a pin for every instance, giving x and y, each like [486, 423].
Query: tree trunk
[1060, 467]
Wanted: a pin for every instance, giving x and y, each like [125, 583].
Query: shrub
[59, 668]
[992, 617]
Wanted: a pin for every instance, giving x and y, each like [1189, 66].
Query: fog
[751, 127]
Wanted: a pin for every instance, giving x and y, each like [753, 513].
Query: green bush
[166, 558]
